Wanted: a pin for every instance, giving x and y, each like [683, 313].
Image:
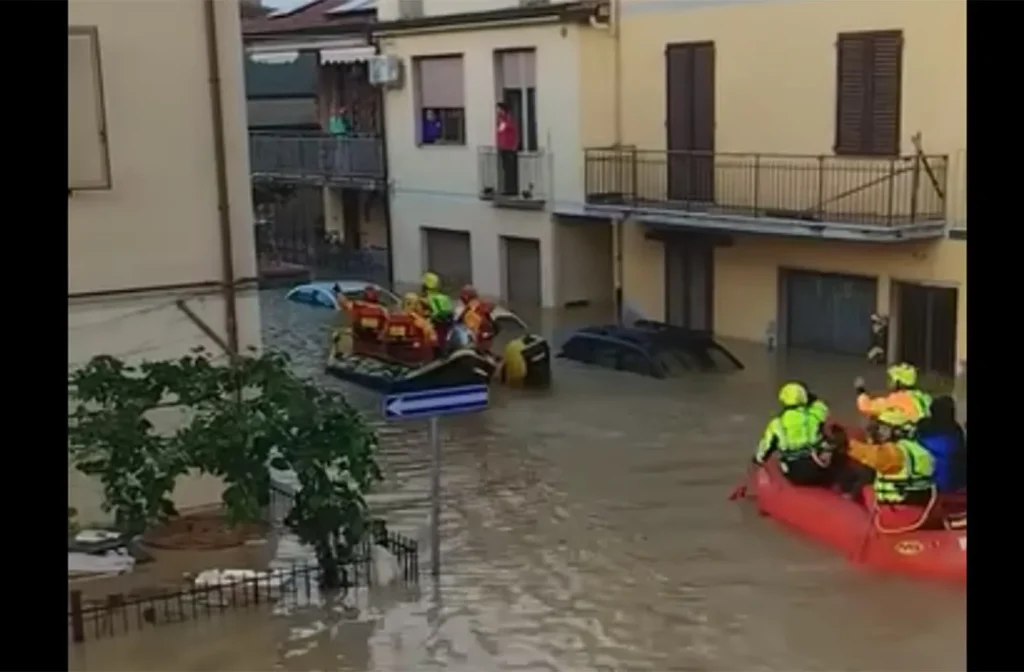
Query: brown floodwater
[587, 528]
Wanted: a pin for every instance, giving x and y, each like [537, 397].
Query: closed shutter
[869, 68]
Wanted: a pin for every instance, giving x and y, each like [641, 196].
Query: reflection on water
[587, 528]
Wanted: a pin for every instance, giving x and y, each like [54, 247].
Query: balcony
[316, 158]
[520, 184]
[813, 196]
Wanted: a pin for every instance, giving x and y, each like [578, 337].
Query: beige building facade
[159, 204]
[787, 168]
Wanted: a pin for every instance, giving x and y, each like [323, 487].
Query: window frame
[865, 147]
[105, 182]
[445, 113]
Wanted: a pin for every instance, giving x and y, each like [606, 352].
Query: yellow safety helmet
[793, 394]
[903, 375]
[431, 282]
[411, 301]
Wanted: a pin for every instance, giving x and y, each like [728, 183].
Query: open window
[88, 151]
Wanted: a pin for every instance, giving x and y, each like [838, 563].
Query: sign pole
[435, 499]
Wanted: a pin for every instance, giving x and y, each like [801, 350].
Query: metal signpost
[433, 404]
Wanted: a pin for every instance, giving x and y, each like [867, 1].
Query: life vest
[368, 319]
[409, 329]
[477, 317]
[796, 432]
[916, 475]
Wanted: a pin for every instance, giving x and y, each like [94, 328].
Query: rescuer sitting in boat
[476, 315]
[944, 438]
[437, 306]
[797, 434]
[903, 396]
[367, 317]
[408, 335]
[903, 491]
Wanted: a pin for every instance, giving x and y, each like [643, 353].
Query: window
[516, 78]
[869, 69]
[440, 100]
[88, 154]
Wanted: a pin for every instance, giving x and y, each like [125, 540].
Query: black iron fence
[316, 156]
[518, 176]
[294, 586]
[882, 192]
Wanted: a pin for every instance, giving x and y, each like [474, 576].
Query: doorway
[926, 333]
[828, 312]
[351, 216]
[449, 255]
[690, 121]
[689, 283]
[522, 271]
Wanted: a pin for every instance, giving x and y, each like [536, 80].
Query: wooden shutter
[868, 91]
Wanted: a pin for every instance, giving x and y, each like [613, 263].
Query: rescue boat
[825, 516]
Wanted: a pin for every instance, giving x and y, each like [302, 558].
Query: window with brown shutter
[869, 68]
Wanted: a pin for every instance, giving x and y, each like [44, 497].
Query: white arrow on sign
[401, 405]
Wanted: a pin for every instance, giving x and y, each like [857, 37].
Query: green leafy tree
[236, 420]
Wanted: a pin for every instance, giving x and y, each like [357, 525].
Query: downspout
[388, 234]
[220, 159]
[617, 224]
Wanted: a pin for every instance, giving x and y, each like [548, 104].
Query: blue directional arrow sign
[439, 401]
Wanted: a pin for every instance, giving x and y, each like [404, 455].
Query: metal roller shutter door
[829, 313]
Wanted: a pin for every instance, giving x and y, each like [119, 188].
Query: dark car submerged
[649, 348]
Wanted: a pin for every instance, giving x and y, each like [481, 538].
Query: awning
[274, 57]
[347, 55]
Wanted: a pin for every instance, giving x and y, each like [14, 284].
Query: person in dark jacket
[945, 439]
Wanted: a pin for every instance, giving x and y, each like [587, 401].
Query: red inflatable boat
[847, 526]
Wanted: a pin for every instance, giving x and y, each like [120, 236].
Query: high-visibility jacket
[914, 404]
[367, 318]
[795, 433]
[477, 317]
[915, 475]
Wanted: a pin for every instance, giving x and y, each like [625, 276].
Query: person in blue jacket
[944, 438]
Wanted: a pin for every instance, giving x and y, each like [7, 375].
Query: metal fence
[884, 191]
[522, 178]
[294, 586]
[316, 156]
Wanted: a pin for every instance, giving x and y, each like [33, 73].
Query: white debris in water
[383, 567]
[96, 536]
[212, 578]
[109, 563]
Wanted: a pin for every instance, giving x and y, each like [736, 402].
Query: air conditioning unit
[386, 70]
[533, 3]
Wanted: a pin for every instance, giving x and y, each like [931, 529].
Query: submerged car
[649, 348]
[517, 356]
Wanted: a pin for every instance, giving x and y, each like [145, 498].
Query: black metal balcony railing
[878, 192]
[316, 156]
[514, 181]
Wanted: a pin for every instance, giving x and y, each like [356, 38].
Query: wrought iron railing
[292, 155]
[521, 178]
[881, 192]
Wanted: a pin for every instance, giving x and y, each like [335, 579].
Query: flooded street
[587, 528]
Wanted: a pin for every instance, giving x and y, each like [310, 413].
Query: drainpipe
[220, 158]
[616, 16]
[386, 176]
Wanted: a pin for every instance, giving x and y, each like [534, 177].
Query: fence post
[634, 163]
[757, 184]
[820, 206]
[915, 185]
[77, 626]
[892, 190]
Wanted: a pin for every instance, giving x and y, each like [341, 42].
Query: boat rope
[932, 500]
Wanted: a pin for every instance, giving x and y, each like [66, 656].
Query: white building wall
[438, 186]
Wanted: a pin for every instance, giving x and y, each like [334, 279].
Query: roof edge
[581, 10]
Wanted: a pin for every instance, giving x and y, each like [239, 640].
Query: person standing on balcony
[338, 123]
[507, 140]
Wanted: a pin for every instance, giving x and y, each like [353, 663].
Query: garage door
[448, 255]
[689, 271]
[829, 313]
[522, 271]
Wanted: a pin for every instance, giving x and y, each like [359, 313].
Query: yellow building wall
[775, 88]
